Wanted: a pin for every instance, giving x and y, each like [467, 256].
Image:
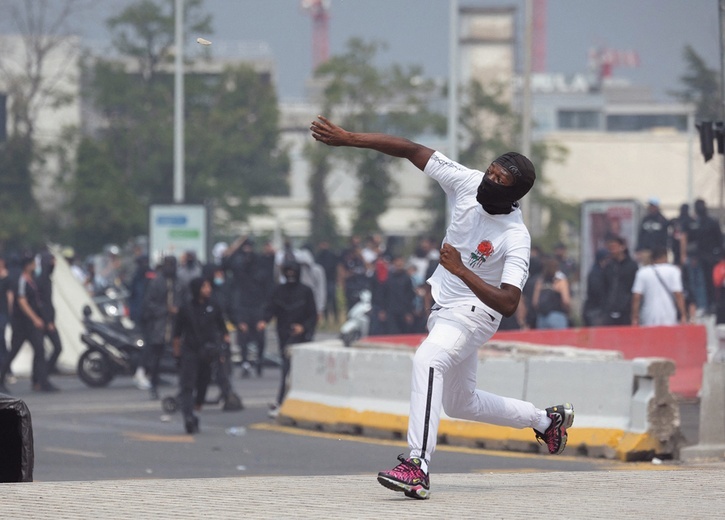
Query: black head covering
[195, 287]
[26, 259]
[47, 262]
[168, 267]
[497, 199]
[295, 268]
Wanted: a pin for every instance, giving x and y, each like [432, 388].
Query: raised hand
[328, 133]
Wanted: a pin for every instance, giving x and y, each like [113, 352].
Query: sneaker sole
[418, 492]
[568, 415]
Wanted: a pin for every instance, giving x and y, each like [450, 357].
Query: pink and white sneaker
[407, 477]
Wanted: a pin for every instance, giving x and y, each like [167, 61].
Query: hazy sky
[416, 32]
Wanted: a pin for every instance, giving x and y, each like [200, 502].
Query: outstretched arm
[330, 134]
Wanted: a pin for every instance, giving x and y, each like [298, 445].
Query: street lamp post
[526, 100]
[179, 103]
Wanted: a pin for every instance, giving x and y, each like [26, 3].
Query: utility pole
[453, 44]
[721, 12]
[179, 103]
[453, 80]
[526, 100]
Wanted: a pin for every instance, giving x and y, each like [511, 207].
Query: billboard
[176, 228]
[600, 218]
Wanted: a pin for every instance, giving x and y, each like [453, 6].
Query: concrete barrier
[624, 409]
[685, 345]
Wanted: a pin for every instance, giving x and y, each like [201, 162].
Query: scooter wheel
[94, 369]
[169, 404]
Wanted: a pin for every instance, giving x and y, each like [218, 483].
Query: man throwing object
[484, 264]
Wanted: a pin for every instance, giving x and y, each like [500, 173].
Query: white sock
[140, 373]
[544, 422]
[424, 465]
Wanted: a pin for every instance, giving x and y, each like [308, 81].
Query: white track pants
[444, 375]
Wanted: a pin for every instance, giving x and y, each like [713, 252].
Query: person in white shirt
[657, 292]
[484, 263]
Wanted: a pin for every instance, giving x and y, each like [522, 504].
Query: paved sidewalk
[672, 492]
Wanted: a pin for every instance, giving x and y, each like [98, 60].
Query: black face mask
[494, 198]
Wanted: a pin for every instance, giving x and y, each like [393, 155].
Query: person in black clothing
[704, 244]
[248, 291]
[28, 325]
[199, 331]
[293, 305]
[330, 261]
[137, 288]
[222, 367]
[397, 299]
[678, 234]
[162, 300]
[353, 274]
[619, 277]
[653, 231]
[45, 293]
[5, 298]
[593, 312]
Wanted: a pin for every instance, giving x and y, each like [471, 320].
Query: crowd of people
[676, 274]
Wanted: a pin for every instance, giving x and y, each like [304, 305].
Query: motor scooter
[112, 349]
[357, 324]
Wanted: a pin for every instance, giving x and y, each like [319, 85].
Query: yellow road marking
[79, 453]
[150, 437]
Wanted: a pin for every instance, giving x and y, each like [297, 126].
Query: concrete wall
[685, 345]
[632, 165]
[623, 407]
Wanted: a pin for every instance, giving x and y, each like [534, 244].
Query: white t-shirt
[658, 307]
[495, 247]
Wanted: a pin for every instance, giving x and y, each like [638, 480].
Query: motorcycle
[112, 349]
[112, 302]
[357, 324]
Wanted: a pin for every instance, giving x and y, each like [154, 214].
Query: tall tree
[233, 143]
[232, 136]
[701, 87]
[31, 84]
[323, 224]
[368, 98]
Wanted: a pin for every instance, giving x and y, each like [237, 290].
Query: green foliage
[701, 87]
[488, 126]
[323, 224]
[20, 220]
[232, 148]
[233, 141]
[144, 31]
[365, 98]
[102, 205]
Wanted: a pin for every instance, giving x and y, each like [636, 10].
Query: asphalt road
[117, 432]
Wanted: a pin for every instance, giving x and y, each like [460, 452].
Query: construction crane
[538, 52]
[320, 12]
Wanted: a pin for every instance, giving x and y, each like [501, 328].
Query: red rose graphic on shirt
[482, 252]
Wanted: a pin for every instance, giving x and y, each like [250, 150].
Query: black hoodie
[292, 302]
[45, 287]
